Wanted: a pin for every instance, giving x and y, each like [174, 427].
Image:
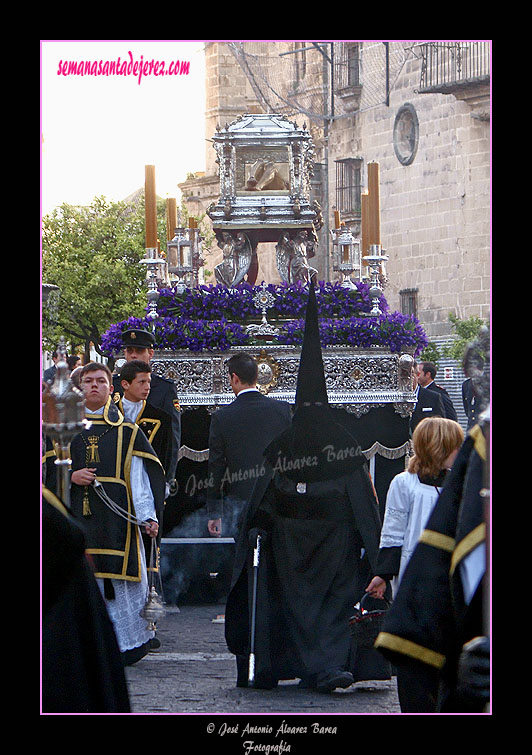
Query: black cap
[142, 339]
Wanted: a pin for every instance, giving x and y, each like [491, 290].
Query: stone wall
[435, 211]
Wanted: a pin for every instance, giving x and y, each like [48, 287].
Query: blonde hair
[434, 439]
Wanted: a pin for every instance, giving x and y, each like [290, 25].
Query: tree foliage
[92, 254]
[466, 332]
[430, 353]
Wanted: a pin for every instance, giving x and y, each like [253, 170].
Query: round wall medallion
[406, 134]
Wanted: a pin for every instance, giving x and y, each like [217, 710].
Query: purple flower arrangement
[216, 302]
[211, 318]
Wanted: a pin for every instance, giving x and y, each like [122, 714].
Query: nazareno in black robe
[318, 550]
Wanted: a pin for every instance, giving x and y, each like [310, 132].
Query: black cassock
[318, 551]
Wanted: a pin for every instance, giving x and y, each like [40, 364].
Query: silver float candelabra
[375, 260]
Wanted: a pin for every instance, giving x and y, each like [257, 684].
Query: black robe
[82, 668]
[157, 427]
[312, 571]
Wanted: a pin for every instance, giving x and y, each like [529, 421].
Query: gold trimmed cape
[109, 445]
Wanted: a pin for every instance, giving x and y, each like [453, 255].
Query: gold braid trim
[480, 441]
[469, 543]
[146, 455]
[130, 506]
[54, 501]
[437, 540]
[411, 649]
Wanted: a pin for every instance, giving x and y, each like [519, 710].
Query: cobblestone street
[193, 673]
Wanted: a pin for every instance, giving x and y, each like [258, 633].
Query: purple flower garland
[212, 318]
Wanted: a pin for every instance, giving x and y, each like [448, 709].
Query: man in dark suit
[425, 377]
[428, 403]
[239, 433]
[139, 344]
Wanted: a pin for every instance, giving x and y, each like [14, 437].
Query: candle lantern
[346, 255]
[184, 257]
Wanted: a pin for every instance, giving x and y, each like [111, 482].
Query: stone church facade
[421, 111]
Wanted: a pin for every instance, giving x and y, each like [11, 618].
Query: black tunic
[156, 426]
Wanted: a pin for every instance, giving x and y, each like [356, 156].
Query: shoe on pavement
[308, 682]
[329, 681]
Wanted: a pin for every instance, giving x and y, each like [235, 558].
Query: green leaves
[466, 331]
[92, 253]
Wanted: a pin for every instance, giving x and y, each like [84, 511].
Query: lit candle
[345, 253]
[374, 204]
[365, 224]
[171, 218]
[150, 207]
